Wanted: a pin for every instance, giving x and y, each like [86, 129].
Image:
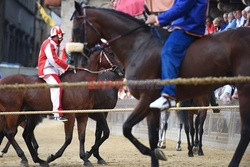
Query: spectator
[209, 26]
[247, 24]
[239, 18]
[231, 21]
[224, 22]
[217, 24]
[247, 9]
[225, 94]
[235, 94]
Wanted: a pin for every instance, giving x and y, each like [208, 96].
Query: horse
[103, 99]
[73, 98]
[187, 118]
[139, 52]
[21, 122]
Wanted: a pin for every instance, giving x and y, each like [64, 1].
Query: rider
[187, 20]
[50, 67]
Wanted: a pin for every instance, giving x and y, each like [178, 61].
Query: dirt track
[117, 151]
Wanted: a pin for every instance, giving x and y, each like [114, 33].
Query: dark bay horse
[223, 54]
[103, 99]
[39, 99]
[187, 118]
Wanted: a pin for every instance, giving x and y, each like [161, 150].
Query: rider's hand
[152, 19]
[71, 67]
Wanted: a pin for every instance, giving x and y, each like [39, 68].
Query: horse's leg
[244, 96]
[187, 131]
[34, 143]
[153, 126]
[68, 129]
[202, 117]
[5, 149]
[196, 131]
[2, 125]
[28, 133]
[167, 113]
[139, 113]
[178, 147]
[101, 128]
[81, 126]
[163, 126]
[187, 118]
[10, 132]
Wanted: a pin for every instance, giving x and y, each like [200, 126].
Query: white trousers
[55, 93]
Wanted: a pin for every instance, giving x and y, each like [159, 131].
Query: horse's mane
[115, 12]
[163, 33]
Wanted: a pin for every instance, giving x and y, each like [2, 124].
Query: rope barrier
[147, 83]
[113, 110]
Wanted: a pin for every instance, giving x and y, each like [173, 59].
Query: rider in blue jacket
[187, 20]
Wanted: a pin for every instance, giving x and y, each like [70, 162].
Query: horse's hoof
[44, 164]
[160, 154]
[24, 163]
[1, 155]
[200, 153]
[50, 158]
[195, 150]
[102, 162]
[161, 144]
[190, 155]
[178, 149]
[88, 164]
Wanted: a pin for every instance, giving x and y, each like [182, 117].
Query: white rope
[113, 110]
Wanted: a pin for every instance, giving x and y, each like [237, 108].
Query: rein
[102, 54]
[95, 72]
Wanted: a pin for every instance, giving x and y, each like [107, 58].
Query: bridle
[103, 44]
[102, 56]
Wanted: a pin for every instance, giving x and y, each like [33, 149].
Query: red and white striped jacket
[49, 61]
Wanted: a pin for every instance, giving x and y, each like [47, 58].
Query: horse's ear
[78, 8]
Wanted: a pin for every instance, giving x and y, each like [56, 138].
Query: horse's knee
[106, 133]
[126, 129]
[68, 139]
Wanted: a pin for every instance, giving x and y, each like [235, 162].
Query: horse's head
[83, 30]
[109, 59]
[88, 33]
[101, 56]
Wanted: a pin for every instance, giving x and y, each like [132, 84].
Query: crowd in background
[231, 20]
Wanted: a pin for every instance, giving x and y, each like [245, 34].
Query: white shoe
[162, 103]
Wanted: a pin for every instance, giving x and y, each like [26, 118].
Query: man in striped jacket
[50, 67]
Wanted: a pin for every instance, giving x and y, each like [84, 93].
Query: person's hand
[152, 19]
[71, 67]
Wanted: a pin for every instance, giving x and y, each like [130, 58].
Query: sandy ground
[117, 151]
